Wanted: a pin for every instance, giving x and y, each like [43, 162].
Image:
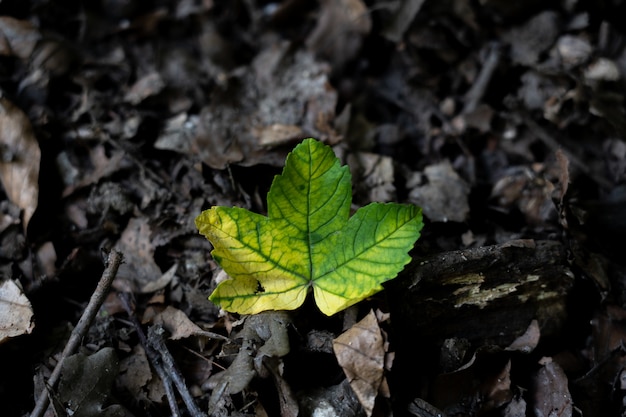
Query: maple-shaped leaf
[308, 240]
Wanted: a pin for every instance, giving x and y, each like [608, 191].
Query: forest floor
[122, 120]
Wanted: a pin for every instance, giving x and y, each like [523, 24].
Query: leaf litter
[505, 119]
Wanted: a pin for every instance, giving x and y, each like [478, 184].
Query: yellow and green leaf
[308, 240]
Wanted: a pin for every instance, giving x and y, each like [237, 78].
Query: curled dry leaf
[19, 165]
[527, 342]
[178, 324]
[361, 353]
[263, 336]
[16, 313]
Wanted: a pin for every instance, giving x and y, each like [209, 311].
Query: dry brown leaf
[340, 30]
[178, 133]
[284, 96]
[360, 352]
[442, 194]
[373, 176]
[85, 387]
[139, 267]
[162, 282]
[178, 324]
[529, 191]
[103, 163]
[277, 134]
[47, 256]
[135, 373]
[19, 165]
[17, 37]
[529, 40]
[147, 86]
[528, 341]
[16, 313]
[550, 393]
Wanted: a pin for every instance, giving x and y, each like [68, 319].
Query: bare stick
[153, 357]
[476, 93]
[155, 338]
[555, 145]
[97, 298]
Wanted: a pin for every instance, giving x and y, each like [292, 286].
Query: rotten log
[487, 295]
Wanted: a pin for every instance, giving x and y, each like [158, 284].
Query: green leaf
[308, 240]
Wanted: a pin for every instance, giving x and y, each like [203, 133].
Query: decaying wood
[487, 295]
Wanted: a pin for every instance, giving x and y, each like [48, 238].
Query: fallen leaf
[102, 164]
[162, 282]
[85, 385]
[47, 257]
[139, 268]
[178, 133]
[278, 134]
[602, 69]
[441, 193]
[264, 335]
[147, 86]
[335, 401]
[421, 408]
[529, 40]
[135, 373]
[17, 37]
[516, 408]
[529, 191]
[573, 50]
[283, 93]
[551, 396]
[374, 176]
[527, 342]
[16, 313]
[340, 30]
[308, 240]
[178, 324]
[19, 165]
[360, 352]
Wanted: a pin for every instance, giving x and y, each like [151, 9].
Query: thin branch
[555, 145]
[476, 93]
[153, 357]
[97, 298]
[155, 338]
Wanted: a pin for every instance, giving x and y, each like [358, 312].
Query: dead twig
[163, 363]
[477, 91]
[155, 338]
[555, 145]
[153, 357]
[97, 298]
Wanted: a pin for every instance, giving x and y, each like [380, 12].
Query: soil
[122, 120]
